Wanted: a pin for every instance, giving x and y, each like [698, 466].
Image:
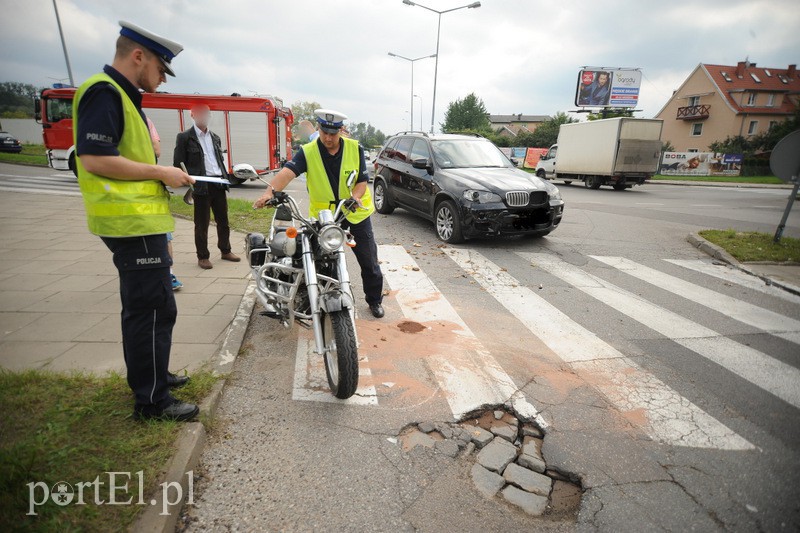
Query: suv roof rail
[472, 133]
[407, 132]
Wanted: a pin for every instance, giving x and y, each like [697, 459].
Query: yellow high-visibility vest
[320, 193]
[121, 208]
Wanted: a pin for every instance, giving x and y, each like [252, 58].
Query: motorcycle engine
[254, 241]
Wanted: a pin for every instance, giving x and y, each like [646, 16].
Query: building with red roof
[718, 101]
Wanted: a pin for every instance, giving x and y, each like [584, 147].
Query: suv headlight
[481, 197]
[331, 238]
[553, 191]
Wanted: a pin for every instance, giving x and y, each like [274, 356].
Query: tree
[667, 146]
[467, 114]
[303, 111]
[16, 99]
[366, 134]
[546, 134]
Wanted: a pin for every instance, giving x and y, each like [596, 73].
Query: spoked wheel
[341, 353]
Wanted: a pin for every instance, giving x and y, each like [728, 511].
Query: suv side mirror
[420, 163]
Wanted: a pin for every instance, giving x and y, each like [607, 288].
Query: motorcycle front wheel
[341, 353]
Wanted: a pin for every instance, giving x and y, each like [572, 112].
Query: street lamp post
[63, 45]
[412, 61]
[473, 5]
[420, 109]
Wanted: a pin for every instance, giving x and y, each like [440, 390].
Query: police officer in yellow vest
[327, 162]
[127, 206]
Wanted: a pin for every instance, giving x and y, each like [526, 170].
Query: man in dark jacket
[200, 150]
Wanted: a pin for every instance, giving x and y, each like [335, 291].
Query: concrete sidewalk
[59, 291]
[731, 184]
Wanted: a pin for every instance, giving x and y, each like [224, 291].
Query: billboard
[532, 156]
[598, 87]
[700, 164]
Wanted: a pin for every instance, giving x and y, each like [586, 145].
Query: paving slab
[59, 295]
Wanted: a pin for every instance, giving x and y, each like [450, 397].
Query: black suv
[465, 185]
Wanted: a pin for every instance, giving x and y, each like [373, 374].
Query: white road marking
[747, 313]
[705, 205]
[646, 203]
[769, 374]
[733, 275]
[669, 417]
[62, 192]
[464, 369]
[311, 382]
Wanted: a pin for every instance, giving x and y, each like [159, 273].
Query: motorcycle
[301, 277]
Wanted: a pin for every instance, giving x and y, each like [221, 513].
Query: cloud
[519, 56]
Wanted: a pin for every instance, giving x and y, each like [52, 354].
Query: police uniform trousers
[215, 201]
[366, 251]
[148, 315]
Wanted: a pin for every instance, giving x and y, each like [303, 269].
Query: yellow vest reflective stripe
[121, 208]
[320, 194]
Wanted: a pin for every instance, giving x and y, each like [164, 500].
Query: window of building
[725, 75]
[755, 78]
[767, 72]
[697, 129]
[771, 100]
[694, 100]
[693, 150]
[753, 127]
[751, 99]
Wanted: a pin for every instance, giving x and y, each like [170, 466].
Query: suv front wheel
[448, 222]
[382, 203]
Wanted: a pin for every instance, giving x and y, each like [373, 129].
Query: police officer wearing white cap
[327, 162]
[127, 206]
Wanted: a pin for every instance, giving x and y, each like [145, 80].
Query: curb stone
[729, 184]
[718, 252]
[192, 438]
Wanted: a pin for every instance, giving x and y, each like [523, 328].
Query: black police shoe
[377, 310]
[173, 410]
[175, 381]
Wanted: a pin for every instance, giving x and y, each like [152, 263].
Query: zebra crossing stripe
[738, 277]
[747, 313]
[769, 374]
[311, 382]
[670, 418]
[467, 373]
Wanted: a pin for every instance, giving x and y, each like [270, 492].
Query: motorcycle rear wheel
[341, 353]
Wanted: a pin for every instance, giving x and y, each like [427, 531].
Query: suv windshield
[467, 153]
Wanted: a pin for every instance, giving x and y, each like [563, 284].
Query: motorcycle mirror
[188, 198]
[245, 171]
[351, 179]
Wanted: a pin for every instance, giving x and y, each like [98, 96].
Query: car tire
[592, 182]
[381, 198]
[447, 222]
[567, 182]
[620, 186]
[72, 165]
[541, 174]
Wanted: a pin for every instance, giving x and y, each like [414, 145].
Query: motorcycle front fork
[310, 271]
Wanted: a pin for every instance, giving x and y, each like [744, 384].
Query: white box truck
[621, 152]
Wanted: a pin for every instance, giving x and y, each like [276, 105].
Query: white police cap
[330, 121]
[162, 47]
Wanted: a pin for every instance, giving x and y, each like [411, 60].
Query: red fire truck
[255, 130]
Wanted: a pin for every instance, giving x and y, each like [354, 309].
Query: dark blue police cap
[162, 47]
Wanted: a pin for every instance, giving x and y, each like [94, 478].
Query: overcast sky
[519, 56]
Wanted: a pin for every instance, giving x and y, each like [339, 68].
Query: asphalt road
[669, 385]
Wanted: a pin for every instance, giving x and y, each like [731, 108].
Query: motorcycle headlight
[553, 191]
[481, 197]
[331, 238]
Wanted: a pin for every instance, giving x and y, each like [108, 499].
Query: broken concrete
[532, 504]
[497, 455]
[528, 480]
[487, 482]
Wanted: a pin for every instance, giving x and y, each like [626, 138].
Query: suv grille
[539, 197]
[517, 198]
